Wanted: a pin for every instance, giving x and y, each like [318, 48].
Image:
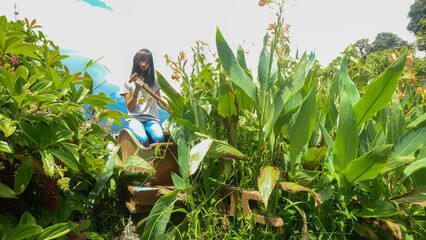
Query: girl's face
[144, 64]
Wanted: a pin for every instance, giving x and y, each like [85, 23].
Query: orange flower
[264, 2]
[392, 58]
[410, 75]
[410, 60]
[421, 91]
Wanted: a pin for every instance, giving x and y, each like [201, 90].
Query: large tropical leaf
[266, 182]
[197, 153]
[379, 93]
[159, 216]
[368, 166]
[222, 150]
[23, 232]
[346, 144]
[302, 128]
[233, 69]
[347, 84]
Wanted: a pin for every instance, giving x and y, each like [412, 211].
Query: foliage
[344, 135]
[57, 163]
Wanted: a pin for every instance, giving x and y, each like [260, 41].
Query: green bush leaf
[178, 181]
[379, 93]
[6, 192]
[48, 162]
[23, 232]
[57, 230]
[4, 147]
[67, 158]
[412, 168]
[23, 175]
[136, 161]
[27, 218]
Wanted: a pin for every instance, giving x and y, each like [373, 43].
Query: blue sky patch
[97, 3]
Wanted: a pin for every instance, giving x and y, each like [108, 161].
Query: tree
[416, 14]
[386, 40]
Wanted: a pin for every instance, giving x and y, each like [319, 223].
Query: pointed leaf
[226, 106]
[67, 158]
[295, 188]
[346, 144]
[266, 182]
[233, 69]
[302, 128]
[159, 216]
[368, 166]
[197, 153]
[57, 230]
[23, 232]
[379, 93]
[48, 162]
[6, 192]
[23, 175]
[416, 196]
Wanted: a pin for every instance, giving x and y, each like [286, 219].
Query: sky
[115, 30]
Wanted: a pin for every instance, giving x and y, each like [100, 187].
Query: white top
[146, 105]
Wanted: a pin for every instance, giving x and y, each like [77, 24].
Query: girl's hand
[139, 83]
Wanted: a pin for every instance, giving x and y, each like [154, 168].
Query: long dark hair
[149, 75]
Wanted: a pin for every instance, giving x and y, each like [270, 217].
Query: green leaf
[159, 216]
[313, 157]
[365, 231]
[197, 153]
[4, 147]
[222, 150]
[302, 128]
[416, 196]
[21, 72]
[23, 175]
[27, 218]
[57, 230]
[346, 144]
[304, 177]
[48, 162]
[347, 84]
[396, 125]
[136, 161]
[176, 100]
[23, 232]
[294, 188]
[368, 166]
[266, 182]
[379, 93]
[241, 57]
[7, 80]
[412, 168]
[106, 175]
[178, 181]
[226, 106]
[408, 144]
[376, 209]
[6, 192]
[233, 69]
[67, 158]
[284, 94]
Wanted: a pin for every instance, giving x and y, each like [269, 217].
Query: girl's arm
[132, 98]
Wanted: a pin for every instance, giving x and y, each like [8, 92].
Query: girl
[144, 121]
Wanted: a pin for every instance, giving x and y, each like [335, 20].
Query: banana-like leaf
[379, 93]
[290, 88]
[233, 69]
[226, 106]
[294, 188]
[346, 144]
[241, 57]
[175, 99]
[416, 196]
[412, 168]
[222, 150]
[159, 216]
[266, 182]
[396, 125]
[368, 166]
[302, 128]
[347, 84]
[197, 153]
